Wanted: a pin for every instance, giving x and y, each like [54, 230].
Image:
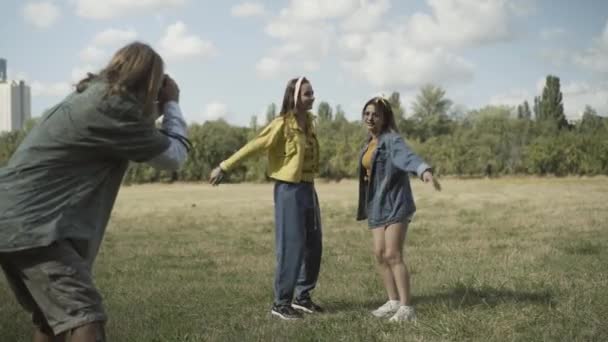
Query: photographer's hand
[169, 91]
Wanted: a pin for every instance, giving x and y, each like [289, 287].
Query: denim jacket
[386, 197]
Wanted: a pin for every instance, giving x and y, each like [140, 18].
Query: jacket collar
[290, 120]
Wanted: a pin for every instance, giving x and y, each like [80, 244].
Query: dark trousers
[298, 242]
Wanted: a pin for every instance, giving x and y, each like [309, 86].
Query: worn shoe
[307, 306]
[285, 312]
[387, 308]
[405, 313]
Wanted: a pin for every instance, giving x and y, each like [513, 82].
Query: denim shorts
[406, 221]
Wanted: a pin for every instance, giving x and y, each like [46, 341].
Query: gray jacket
[63, 179]
[386, 197]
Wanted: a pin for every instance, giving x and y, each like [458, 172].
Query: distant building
[3, 70]
[15, 102]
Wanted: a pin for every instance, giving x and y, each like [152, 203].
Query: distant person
[385, 200]
[488, 170]
[60, 185]
[293, 159]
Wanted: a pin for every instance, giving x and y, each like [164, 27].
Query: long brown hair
[136, 69]
[289, 101]
[383, 106]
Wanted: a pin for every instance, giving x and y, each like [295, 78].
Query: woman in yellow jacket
[293, 160]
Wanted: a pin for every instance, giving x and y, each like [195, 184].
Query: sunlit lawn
[513, 259]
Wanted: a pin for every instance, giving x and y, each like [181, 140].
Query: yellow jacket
[284, 142]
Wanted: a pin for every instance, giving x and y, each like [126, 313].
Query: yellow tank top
[366, 161]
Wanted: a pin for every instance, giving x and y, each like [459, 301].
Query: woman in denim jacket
[385, 200]
[292, 149]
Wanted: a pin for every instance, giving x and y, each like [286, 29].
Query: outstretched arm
[263, 141]
[405, 159]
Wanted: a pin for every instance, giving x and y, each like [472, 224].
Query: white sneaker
[387, 308]
[404, 313]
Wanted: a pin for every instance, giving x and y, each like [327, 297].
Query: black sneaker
[285, 312]
[307, 305]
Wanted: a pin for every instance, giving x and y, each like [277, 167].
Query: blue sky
[233, 58]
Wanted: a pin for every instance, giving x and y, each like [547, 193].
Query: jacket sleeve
[405, 159]
[262, 142]
[175, 128]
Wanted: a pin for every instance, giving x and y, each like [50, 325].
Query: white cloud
[576, 95]
[422, 49]
[92, 53]
[248, 9]
[216, 110]
[50, 89]
[268, 67]
[540, 84]
[16, 76]
[402, 66]
[302, 47]
[212, 111]
[95, 9]
[552, 33]
[556, 57]
[312, 10]
[462, 23]
[114, 37]
[352, 45]
[513, 97]
[41, 14]
[302, 44]
[80, 72]
[523, 7]
[367, 16]
[387, 53]
[596, 57]
[98, 50]
[388, 60]
[177, 44]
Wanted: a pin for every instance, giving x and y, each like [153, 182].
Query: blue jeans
[298, 242]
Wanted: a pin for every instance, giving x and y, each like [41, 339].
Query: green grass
[513, 259]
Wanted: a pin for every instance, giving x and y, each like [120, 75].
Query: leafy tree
[340, 116]
[9, 141]
[430, 112]
[591, 122]
[523, 111]
[324, 111]
[538, 115]
[253, 123]
[527, 114]
[552, 108]
[271, 112]
[398, 110]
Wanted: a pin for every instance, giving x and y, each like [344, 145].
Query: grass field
[513, 259]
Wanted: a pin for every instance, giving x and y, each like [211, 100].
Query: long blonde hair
[136, 69]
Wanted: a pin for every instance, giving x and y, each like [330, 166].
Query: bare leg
[383, 266]
[40, 336]
[92, 332]
[394, 241]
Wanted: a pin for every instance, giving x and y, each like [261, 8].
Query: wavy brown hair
[135, 69]
[383, 106]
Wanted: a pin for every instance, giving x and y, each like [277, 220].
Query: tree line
[493, 140]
